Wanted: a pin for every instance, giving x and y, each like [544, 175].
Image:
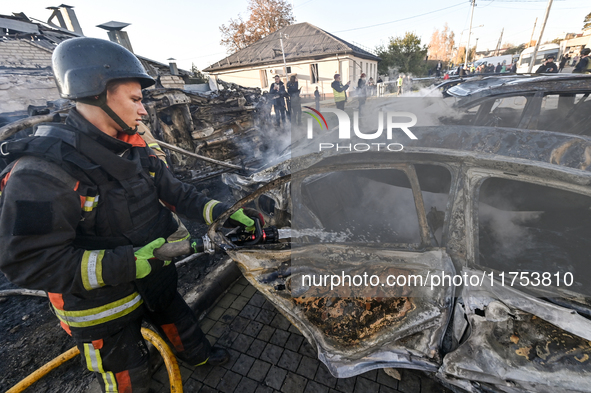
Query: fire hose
[172, 367]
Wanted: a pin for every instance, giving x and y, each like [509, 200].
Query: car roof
[519, 84]
[461, 143]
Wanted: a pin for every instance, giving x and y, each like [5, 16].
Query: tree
[513, 50]
[587, 21]
[266, 17]
[555, 41]
[197, 77]
[442, 44]
[461, 55]
[404, 53]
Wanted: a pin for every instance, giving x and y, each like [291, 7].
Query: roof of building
[22, 34]
[304, 42]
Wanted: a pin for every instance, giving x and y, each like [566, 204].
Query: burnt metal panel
[15, 25]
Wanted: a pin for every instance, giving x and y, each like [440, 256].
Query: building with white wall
[312, 54]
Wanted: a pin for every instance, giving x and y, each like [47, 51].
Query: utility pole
[456, 56]
[281, 35]
[469, 33]
[533, 56]
[532, 33]
[499, 43]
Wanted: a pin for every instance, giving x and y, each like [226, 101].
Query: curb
[215, 284]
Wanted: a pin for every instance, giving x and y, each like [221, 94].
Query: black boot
[218, 356]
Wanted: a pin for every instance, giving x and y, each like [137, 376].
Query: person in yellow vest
[339, 91]
[399, 84]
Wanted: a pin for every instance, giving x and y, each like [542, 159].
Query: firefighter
[81, 217]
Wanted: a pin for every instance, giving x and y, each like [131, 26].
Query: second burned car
[508, 211]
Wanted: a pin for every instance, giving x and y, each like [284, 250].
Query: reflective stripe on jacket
[57, 235]
[97, 315]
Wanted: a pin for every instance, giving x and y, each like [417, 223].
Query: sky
[188, 30]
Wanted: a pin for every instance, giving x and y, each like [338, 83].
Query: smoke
[269, 144]
[503, 234]
[368, 210]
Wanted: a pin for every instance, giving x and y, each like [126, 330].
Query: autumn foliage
[442, 44]
[266, 17]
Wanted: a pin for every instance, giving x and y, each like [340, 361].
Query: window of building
[314, 76]
[288, 70]
[264, 81]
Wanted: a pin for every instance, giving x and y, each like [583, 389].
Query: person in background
[361, 91]
[548, 67]
[339, 92]
[371, 86]
[399, 83]
[563, 60]
[583, 66]
[294, 100]
[277, 89]
[317, 98]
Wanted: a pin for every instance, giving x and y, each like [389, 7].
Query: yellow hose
[38, 374]
[172, 367]
[174, 374]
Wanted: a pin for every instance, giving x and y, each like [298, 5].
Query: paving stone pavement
[270, 355]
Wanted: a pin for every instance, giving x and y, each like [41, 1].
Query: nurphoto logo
[344, 126]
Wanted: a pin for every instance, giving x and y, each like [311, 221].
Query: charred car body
[480, 202]
[553, 103]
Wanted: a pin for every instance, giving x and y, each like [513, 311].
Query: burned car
[549, 102]
[501, 217]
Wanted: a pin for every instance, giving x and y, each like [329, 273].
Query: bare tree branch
[266, 17]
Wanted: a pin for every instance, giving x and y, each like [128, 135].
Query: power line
[400, 20]
[299, 5]
[198, 57]
[520, 1]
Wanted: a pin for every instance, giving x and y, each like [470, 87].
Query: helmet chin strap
[101, 102]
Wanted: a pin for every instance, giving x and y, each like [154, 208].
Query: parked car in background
[558, 102]
[494, 60]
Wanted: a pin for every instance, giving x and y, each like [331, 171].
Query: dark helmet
[83, 66]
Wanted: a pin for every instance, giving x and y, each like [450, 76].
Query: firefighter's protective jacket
[74, 206]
